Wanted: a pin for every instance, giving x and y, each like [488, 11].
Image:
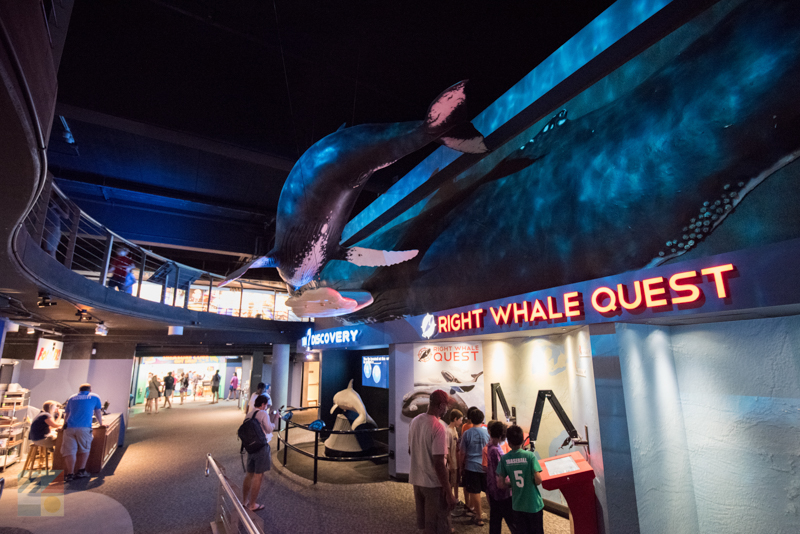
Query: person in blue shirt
[78, 432]
[471, 450]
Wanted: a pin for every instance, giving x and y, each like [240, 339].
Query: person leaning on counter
[44, 425]
[77, 438]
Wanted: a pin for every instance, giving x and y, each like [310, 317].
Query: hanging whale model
[349, 399]
[324, 184]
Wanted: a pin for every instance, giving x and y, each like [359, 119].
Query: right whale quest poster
[455, 368]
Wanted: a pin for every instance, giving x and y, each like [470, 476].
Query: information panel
[561, 466]
[375, 371]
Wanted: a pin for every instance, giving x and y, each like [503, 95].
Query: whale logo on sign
[428, 326]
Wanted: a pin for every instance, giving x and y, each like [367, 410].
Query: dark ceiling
[188, 114]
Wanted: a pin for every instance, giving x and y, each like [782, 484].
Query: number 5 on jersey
[518, 479]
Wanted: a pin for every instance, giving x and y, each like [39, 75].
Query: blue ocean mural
[650, 176]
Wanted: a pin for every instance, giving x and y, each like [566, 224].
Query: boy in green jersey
[522, 469]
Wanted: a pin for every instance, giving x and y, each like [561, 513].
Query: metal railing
[88, 248]
[230, 515]
[316, 456]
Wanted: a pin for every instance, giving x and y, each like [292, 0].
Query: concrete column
[256, 366]
[280, 375]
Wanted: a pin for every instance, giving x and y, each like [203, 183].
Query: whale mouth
[327, 302]
[714, 211]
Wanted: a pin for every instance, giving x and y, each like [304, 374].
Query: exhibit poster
[48, 354]
[375, 371]
[456, 368]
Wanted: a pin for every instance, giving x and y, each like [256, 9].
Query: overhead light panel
[101, 329]
[175, 331]
[31, 330]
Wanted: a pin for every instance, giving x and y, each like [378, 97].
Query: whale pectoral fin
[263, 261]
[464, 138]
[334, 408]
[367, 257]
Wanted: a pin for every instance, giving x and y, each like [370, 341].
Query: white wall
[659, 453]
[401, 379]
[110, 379]
[714, 422]
[740, 392]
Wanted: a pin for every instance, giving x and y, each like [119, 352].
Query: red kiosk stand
[573, 475]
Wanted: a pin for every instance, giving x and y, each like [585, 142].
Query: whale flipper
[263, 261]
[367, 257]
[464, 138]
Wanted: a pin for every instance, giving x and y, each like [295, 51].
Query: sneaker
[82, 474]
[457, 512]
[69, 477]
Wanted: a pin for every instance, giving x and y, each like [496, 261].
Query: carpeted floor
[159, 479]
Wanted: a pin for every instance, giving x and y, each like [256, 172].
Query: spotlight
[31, 330]
[83, 316]
[309, 355]
[101, 329]
[45, 301]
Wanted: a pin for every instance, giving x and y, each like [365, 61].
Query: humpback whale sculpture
[322, 188]
[349, 399]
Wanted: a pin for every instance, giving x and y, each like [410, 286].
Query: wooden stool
[42, 455]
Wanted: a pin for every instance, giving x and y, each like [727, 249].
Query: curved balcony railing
[88, 248]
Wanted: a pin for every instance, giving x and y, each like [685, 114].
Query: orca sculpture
[349, 399]
[322, 188]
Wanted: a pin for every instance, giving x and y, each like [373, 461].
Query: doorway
[310, 384]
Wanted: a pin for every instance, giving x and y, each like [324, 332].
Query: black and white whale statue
[323, 186]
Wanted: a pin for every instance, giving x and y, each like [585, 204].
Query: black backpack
[252, 435]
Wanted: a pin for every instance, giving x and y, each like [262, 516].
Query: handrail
[241, 513]
[85, 246]
[285, 440]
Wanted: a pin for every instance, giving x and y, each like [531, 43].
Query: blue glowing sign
[327, 338]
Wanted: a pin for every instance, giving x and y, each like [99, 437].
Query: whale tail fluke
[367, 257]
[447, 120]
[263, 261]
[464, 138]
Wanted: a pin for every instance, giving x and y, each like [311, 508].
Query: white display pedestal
[343, 444]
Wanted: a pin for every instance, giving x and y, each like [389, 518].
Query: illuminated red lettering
[637, 288]
[442, 319]
[597, 298]
[650, 292]
[478, 314]
[694, 291]
[521, 315]
[572, 300]
[719, 280]
[466, 321]
[538, 313]
[552, 310]
[455, 321]
[501, 315]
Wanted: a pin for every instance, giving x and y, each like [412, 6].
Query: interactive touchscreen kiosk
[573, 475]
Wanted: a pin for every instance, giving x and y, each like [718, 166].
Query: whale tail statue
[349, 399]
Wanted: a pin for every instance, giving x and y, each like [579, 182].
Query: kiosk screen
[561, 466]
